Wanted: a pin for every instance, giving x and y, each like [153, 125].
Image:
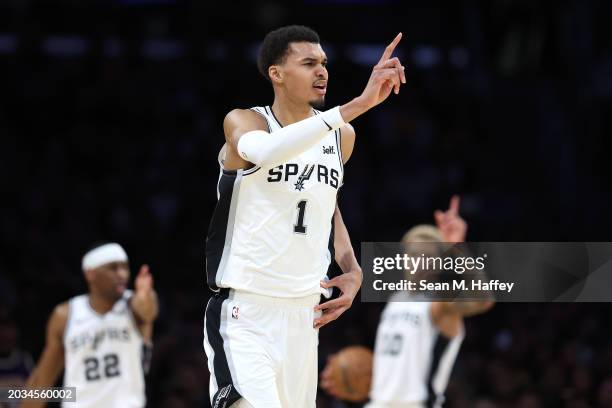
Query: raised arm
[144, 302]
[51, 361]
[447, 316]
[249, 140]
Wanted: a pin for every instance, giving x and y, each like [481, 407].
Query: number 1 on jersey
[299, 227]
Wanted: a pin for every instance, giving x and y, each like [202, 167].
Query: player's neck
[287, 112]
[99, 304]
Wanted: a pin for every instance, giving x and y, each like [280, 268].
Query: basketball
[351, 369]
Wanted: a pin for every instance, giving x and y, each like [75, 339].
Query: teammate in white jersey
[101, 339]
[276, 227]
[417, 341]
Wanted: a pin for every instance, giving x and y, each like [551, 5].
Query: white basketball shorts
[262, 351]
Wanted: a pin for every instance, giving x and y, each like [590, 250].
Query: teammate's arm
[144, 302]
[254, 145]
[448, 316]
[51, 361]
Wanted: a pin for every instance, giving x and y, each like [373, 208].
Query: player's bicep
[240, 121]
[347, 142]
[236, 124]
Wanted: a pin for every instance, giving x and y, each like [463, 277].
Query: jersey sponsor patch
[329, 150]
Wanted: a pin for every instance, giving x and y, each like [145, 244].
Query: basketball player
[417, 341]
[102, 338]
[276, 226]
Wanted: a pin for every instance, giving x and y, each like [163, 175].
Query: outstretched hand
[144, 280]
[387, 74]
[144, 302]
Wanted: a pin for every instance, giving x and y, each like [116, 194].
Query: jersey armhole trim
[252, 170]
[339, 147]
[263, 116]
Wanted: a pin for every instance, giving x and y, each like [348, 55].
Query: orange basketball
[352, 372]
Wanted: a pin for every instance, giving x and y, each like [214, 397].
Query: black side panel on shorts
[226, 394]
[217, 229]
[438, 351]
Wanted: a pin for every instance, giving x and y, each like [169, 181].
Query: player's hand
[349, 284]
[144, 280]
[144, 302]
[452, 227]
[326, 380]
[387, 75]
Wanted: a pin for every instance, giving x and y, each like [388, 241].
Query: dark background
[110, 124]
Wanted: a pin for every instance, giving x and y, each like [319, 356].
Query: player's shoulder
[244, 120]
[244, 117]
[59, 318]
[61, 311]
[446, 319]
[347, 141]
[348, 131]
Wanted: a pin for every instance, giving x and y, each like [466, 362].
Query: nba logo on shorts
[235, 311]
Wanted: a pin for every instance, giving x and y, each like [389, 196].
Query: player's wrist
[354, 108]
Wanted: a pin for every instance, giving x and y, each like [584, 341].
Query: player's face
[305, 73]
[112, 279]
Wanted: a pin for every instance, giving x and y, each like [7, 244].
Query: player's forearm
[271, 149]
[353, 109]
[145, 305]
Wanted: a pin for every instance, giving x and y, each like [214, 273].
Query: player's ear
[275, 73]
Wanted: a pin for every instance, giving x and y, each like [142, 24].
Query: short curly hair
[276, 44]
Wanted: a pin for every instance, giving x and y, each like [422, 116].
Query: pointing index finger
[390, 48]
[454, 204]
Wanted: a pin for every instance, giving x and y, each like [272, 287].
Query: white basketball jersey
[271, 233]
[103, 356]
[412, 359]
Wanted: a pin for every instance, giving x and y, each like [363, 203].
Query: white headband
[102, 255]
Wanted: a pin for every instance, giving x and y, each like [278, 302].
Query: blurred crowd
[508, 104]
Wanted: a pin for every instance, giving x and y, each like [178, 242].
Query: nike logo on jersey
[329, 150]
[318, 172]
